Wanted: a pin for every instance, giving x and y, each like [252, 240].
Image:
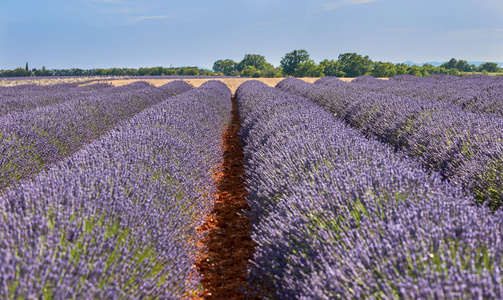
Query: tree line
[298, 64]
[155, 71]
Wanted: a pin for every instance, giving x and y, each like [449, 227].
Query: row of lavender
[463, 146]
[336, 215]
[24, 97]
[475, 93]
[117, 219]
[61, 119]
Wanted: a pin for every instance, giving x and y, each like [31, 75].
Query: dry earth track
[228, 244]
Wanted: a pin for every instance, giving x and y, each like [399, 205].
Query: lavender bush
[23, 97]
[474, 93]
[338, 216]
[31, 139]
[116, 220]
[465, 147]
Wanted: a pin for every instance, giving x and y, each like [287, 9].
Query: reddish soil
[228, 243]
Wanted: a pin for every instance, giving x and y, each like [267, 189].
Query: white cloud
[341, 3]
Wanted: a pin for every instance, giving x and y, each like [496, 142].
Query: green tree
[489, 67]
[451, 64]
[170, 71]
[453, 72]
[44, 72]
[255, 60]
[402, 69]
[278, 72]
[383, 69]
[462, 65]
[355, 65]
[332, 68]
[225, 66]
[442, 70]
[250, 71]
[26, 68]
[414, 70]
[428, 69]
[205, 72]
[190, 71]
[309, 69]
[291, 61]
[270, 71]
[20, 72]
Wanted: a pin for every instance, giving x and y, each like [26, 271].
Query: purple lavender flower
[117, 218]
[336, 215]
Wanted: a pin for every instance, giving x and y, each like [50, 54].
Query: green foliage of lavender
[25, 97]
[117, 218]
[59, 120]
[444, 131]
[336, 215]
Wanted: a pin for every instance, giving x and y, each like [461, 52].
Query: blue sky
[148, 33]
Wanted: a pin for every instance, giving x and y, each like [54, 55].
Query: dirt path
[228, 242]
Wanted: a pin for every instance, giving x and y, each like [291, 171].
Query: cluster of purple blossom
[24, 97]
[465, 147]
[336, 215]
[475, 93]
[54, 125]
[117, 219]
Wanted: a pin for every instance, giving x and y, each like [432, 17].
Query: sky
[91, 34]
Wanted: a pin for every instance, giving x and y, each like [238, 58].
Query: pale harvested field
[232, 83]
[44, 80]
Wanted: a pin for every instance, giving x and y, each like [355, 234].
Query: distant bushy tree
[309, 69]
[225, 66]
[270, 71]
[354, 65]
[428, 69]
[253, 60]
[42, 72]
[453, 72]
[489, 67]
[190, 71]
[414, 70]
[291, 61]
[383, 69]
[451, 64]
[463, 66]
[332, 68]
[203, 72]
[250, 71]
[402, 69]
[21, 72]
[170, 71]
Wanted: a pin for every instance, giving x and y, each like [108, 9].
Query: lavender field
[378, 189]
